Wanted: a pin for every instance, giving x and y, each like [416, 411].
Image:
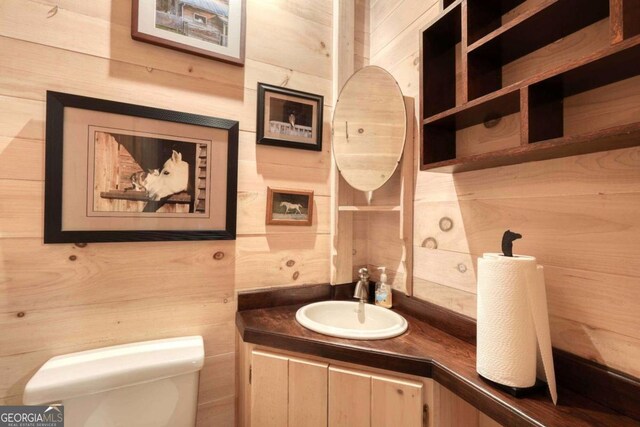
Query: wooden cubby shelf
[559, 58]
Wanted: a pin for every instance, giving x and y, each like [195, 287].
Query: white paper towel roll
[512, 321]
[540, 312]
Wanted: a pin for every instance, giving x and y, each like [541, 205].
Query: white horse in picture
[295, 207]
[173, 178]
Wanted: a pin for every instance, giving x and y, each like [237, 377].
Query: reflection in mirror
[369, 128]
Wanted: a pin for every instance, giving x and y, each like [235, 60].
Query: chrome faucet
[362, 288]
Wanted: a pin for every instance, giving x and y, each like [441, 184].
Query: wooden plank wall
[56, 299]
[578, 215]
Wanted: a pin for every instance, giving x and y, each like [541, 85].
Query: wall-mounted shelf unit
[537, 64]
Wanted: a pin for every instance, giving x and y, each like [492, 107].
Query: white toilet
[145, 384]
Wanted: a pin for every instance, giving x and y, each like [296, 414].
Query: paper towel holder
[519, 392]
[507, 242]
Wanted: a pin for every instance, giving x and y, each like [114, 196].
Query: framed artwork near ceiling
[210, 28]
[289, 118]
[118, 172]
[289, 207]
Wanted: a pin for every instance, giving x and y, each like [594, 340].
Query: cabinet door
[395, 402]
[486, 421]
[269, 389]
[307, 393]
[451, 410]
[349, 398]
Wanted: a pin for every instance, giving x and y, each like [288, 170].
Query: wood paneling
[586, 232]
[445, 296]
[216, 413]
[402, 16]
[217, 378]
[21, 118]
[57, 299]
[300, 42]
[609, 172]
[71, 28]
[577, 214]
[361, 34]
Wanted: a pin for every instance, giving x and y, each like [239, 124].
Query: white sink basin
[349, 319]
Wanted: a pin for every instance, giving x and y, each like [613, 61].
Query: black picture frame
[57, 102]
[285, 95]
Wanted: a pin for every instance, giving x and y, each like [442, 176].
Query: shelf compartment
[545, 110]
[523, 35]
[443, 133]
[485, 16]
[607, 139]
[489, 107]
[546, 98]
[441, 55]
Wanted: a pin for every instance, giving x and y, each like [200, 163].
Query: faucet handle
[364, 273]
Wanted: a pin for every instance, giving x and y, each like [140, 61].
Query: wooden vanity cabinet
[290, 391]
[278, 390]
[362, 399]
[287, 391]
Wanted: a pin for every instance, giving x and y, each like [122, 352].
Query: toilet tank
[144, 384]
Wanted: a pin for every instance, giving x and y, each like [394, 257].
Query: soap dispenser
[383, 290]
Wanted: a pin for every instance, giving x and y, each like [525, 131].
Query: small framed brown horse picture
[289, 207]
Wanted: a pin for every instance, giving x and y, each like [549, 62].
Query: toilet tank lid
[108, 368]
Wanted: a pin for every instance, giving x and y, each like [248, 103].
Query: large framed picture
[289, 207]
[210, 28]
[289, 118]
[119, 172]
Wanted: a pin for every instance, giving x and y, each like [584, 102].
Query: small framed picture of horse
[289, 118]
[289, 207]
[118, 172]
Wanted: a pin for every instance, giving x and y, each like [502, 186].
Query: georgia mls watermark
[32, 416]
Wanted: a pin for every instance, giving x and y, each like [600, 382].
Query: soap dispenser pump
[383, 290]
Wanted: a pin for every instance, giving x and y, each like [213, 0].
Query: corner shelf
[369, 208]
[536, 103]
[391, 206]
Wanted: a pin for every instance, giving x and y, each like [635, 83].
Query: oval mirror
[369, 127]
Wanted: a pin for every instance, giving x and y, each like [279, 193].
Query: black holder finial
[507, 242]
